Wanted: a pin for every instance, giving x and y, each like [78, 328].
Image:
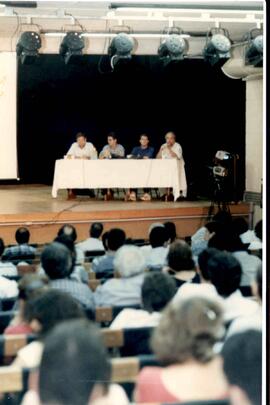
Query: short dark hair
[180, 256]
[240, 225]
[157, 290]
[242, 363]
[80, 134]
[22, 235]
[213, 226]
[96, 229]
[171, 230]
[258, 230]
[225, 273]
[105, 240]
[203, 259]
[225, 217]
[31, 284]
[112, 135]
[68, 230]
[56, 260]
[115, 239]
[50, 308]
[2, 247]
[144, 135]
[78, 345]
[227, 239]
[158, 236]
[67, 241]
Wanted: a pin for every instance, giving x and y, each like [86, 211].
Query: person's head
[30, 286]
[239, 225]
[115, 239]
[212, 228]
[157, 291]
[105, 240]
[171, 231]
[225, 273]
[2, 247]
[129, 261]
[22, 235]
[170, 138]
[112, 139]
[242, 364]
[188, 330]
[203, 259]
[96, 230]
[226, 238]
[67, 241]
[158, 236]
[81, 139]
[144, 140]
[258, 230]
[223, 217]
[87, 371]
[154, 225]
[56, 260]
[49, 309]
[68, 230]
[180, 256]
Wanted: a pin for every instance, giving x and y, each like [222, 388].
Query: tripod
[219, 197]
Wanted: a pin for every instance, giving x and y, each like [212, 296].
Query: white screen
[8, 115]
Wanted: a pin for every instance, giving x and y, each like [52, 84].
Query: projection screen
[8, 116]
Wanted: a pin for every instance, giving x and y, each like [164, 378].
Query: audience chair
[7, 304]
[11, 344]
[108, 314]
[129, 342]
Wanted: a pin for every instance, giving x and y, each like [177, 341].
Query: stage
[34, 207]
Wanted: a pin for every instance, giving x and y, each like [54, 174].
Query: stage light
[217, 47]
[120, 48]
[173, 48]
[254, 49]
[28, 46]
[71, 46]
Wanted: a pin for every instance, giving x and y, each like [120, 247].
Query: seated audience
[114, 240]
[157, 291]
[171, 231]
[156, 255]
[30, 286]
[184, 343]
[180, 264]
[70, 230]
[8, 288]
[225, 274]
[256, 245]
[242, 364]
[93, 242]
[56, 260]
[21, 251]
[129, 264]
[211, 228]
[240, 227]
[43, 313]
[6, 268]
[67, 344]
[253, 321]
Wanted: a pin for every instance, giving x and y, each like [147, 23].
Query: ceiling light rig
[120, 48]
[28, 47]
[254, 48]
[72, 46]
[217, 49]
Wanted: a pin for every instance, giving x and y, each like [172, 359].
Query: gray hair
[129, 261]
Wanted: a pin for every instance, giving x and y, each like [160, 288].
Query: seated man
[6, 268]
[144, 151]
[93, 242]
[81, 150]
[21, 252]
[113, 150]
[173, 150]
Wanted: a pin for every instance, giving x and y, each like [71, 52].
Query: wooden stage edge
[43, 226]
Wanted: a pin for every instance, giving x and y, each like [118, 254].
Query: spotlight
[173, 48]
[254, 49]
[71, 46]
[120, 48]
[217, 47]
[28, 46]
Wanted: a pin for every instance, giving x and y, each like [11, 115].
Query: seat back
[11, 344]
[7, 304]
[136, 341]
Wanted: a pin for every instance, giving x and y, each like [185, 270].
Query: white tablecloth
[120, 173]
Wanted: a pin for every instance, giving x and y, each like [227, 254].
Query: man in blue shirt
[141, 152]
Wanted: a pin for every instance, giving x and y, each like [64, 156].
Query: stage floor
[19, 199]
[34, 207]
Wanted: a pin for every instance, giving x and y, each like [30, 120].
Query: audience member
[210, 229]
[114, 240]
[242, 363]
[156, 256]
[183, 342]
[6, 268]
[43, 313]
[30, 285]
[56, 260]
[171, 231]
[8, 288]
[180, 264]
[129, 264]
[21, 251]
[157, 291]
[93, 242]
[240, 227]
[70, 230]
[256, 245]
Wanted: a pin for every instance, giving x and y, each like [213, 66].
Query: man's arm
[70, 152]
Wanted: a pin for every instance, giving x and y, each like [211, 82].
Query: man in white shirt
[94, 242]
[81, 149]
[173, 150]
